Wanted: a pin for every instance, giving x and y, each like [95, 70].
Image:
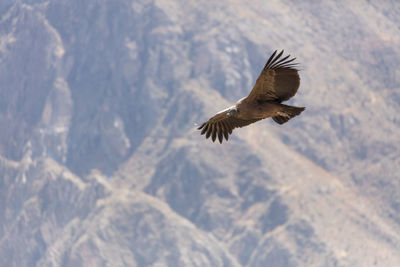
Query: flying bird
[278, 82]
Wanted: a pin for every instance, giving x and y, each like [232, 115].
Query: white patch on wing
[222, 111]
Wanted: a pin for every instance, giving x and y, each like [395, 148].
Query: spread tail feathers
[286, 113]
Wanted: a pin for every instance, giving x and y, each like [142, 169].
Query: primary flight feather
[278, 82]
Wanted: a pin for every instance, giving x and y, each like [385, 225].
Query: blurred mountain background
[101, 163]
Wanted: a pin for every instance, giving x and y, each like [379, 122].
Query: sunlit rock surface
[101, 163]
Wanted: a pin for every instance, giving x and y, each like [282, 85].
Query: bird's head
[232, 112]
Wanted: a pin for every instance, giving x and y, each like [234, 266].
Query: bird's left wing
[220, 125]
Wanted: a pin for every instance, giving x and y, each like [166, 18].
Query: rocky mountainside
[101, 163]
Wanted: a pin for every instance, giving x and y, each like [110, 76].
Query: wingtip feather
[204, 129]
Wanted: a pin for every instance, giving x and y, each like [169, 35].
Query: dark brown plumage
[278, 82]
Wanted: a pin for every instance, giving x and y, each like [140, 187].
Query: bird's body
[278, 82]
[259, 110]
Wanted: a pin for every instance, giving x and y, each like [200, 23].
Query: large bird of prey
[278, 82]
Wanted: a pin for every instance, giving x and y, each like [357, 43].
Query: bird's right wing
[278, 81]
[222, 126]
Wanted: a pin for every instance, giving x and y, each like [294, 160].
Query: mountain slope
[101, 162]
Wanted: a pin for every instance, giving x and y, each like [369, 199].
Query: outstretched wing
[222, 126]
[278, 81]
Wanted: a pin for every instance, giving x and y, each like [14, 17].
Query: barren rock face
[101, 165]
